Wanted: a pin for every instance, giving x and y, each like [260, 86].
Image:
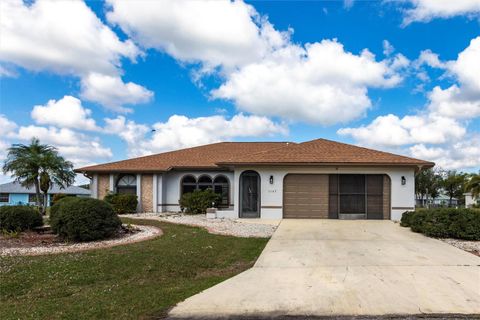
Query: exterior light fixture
[271, 179]
[404, 181]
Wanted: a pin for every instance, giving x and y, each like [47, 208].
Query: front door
[249, 195]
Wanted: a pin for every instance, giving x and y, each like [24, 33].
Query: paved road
[332, 268]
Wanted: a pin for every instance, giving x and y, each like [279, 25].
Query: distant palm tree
[38, 165]
[473, 186]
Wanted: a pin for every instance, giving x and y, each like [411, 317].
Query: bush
[406, 218]
[19, 218]
[198, 201]
[122, 203]
[444, 223]
[84, 219]
[59, 196]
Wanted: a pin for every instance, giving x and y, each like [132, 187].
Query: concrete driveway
[341, 268]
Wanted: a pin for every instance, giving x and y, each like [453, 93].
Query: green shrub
[406, 218]
[84, 219]
[198, 201]
[466, 225]
[445, 223]
[59, 196]
[122, 203]
[19, 218]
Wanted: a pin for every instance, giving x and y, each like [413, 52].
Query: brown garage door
[305, 196]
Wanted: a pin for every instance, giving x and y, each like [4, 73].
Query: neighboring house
[470, 200]
[13, 193]
[272, 180]
[442, 200]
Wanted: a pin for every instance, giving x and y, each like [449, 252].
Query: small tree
[454, 184]
[427, 184]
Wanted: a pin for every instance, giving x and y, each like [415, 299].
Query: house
[271, 180]
[470, 200]
[442, 200]
[13, 193]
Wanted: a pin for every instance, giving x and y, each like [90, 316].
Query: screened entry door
[249, 195]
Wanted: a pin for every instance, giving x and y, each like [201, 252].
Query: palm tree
[54, 169]
[27, 163]
[473, 185]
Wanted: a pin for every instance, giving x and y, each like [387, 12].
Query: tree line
[430, 183]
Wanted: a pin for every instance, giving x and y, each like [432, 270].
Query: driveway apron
[344, 268]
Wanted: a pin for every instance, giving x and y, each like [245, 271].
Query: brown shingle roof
[322, 151]
[213, 156]
[197, 157]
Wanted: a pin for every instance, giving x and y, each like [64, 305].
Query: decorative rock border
[145, 233]
[230, 227]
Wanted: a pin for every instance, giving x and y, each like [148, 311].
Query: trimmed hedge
[198, 201]
[83, 219]
[444, 223]
[19, 218]
[59, 196]
[122, 203]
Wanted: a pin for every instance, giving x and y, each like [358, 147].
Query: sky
[110, 80]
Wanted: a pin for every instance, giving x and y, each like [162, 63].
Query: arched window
[221, 186]
[127, 184]
[205, 182]
[189, 184]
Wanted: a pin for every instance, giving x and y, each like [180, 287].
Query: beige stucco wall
[103, 185]
[147, 193]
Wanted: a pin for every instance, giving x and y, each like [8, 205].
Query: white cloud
[321, 83]
[112, 92]
[388, 49]
[181, 131]
[128, 130]
[427, 10]
[7, 128]
[264, 72]
[460, 101]
[66, 37]
[391, 130]
[215, 33]
[67, 112]
[427, 57]
[459, 155]
[60, 36]
[438, 133]
[76, 147]
[348, 4]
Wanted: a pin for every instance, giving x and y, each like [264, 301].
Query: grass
[141, 280]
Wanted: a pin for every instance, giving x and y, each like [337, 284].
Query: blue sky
[95, 78]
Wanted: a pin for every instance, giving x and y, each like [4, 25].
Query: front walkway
[332, 267]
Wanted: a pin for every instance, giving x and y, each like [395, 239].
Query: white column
[94, 187]
[111, 187]
[154, 193]
[139, 192]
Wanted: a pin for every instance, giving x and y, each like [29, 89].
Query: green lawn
[134, 281]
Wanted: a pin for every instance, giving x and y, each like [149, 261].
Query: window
[189, 184]
[4, 197]
[32, 198]
[222, 187]
[205, 182]
[127, 184]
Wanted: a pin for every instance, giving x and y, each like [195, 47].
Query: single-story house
[441, 200]
[13, 193]
[272, 180]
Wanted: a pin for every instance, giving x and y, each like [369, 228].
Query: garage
[336, 196]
